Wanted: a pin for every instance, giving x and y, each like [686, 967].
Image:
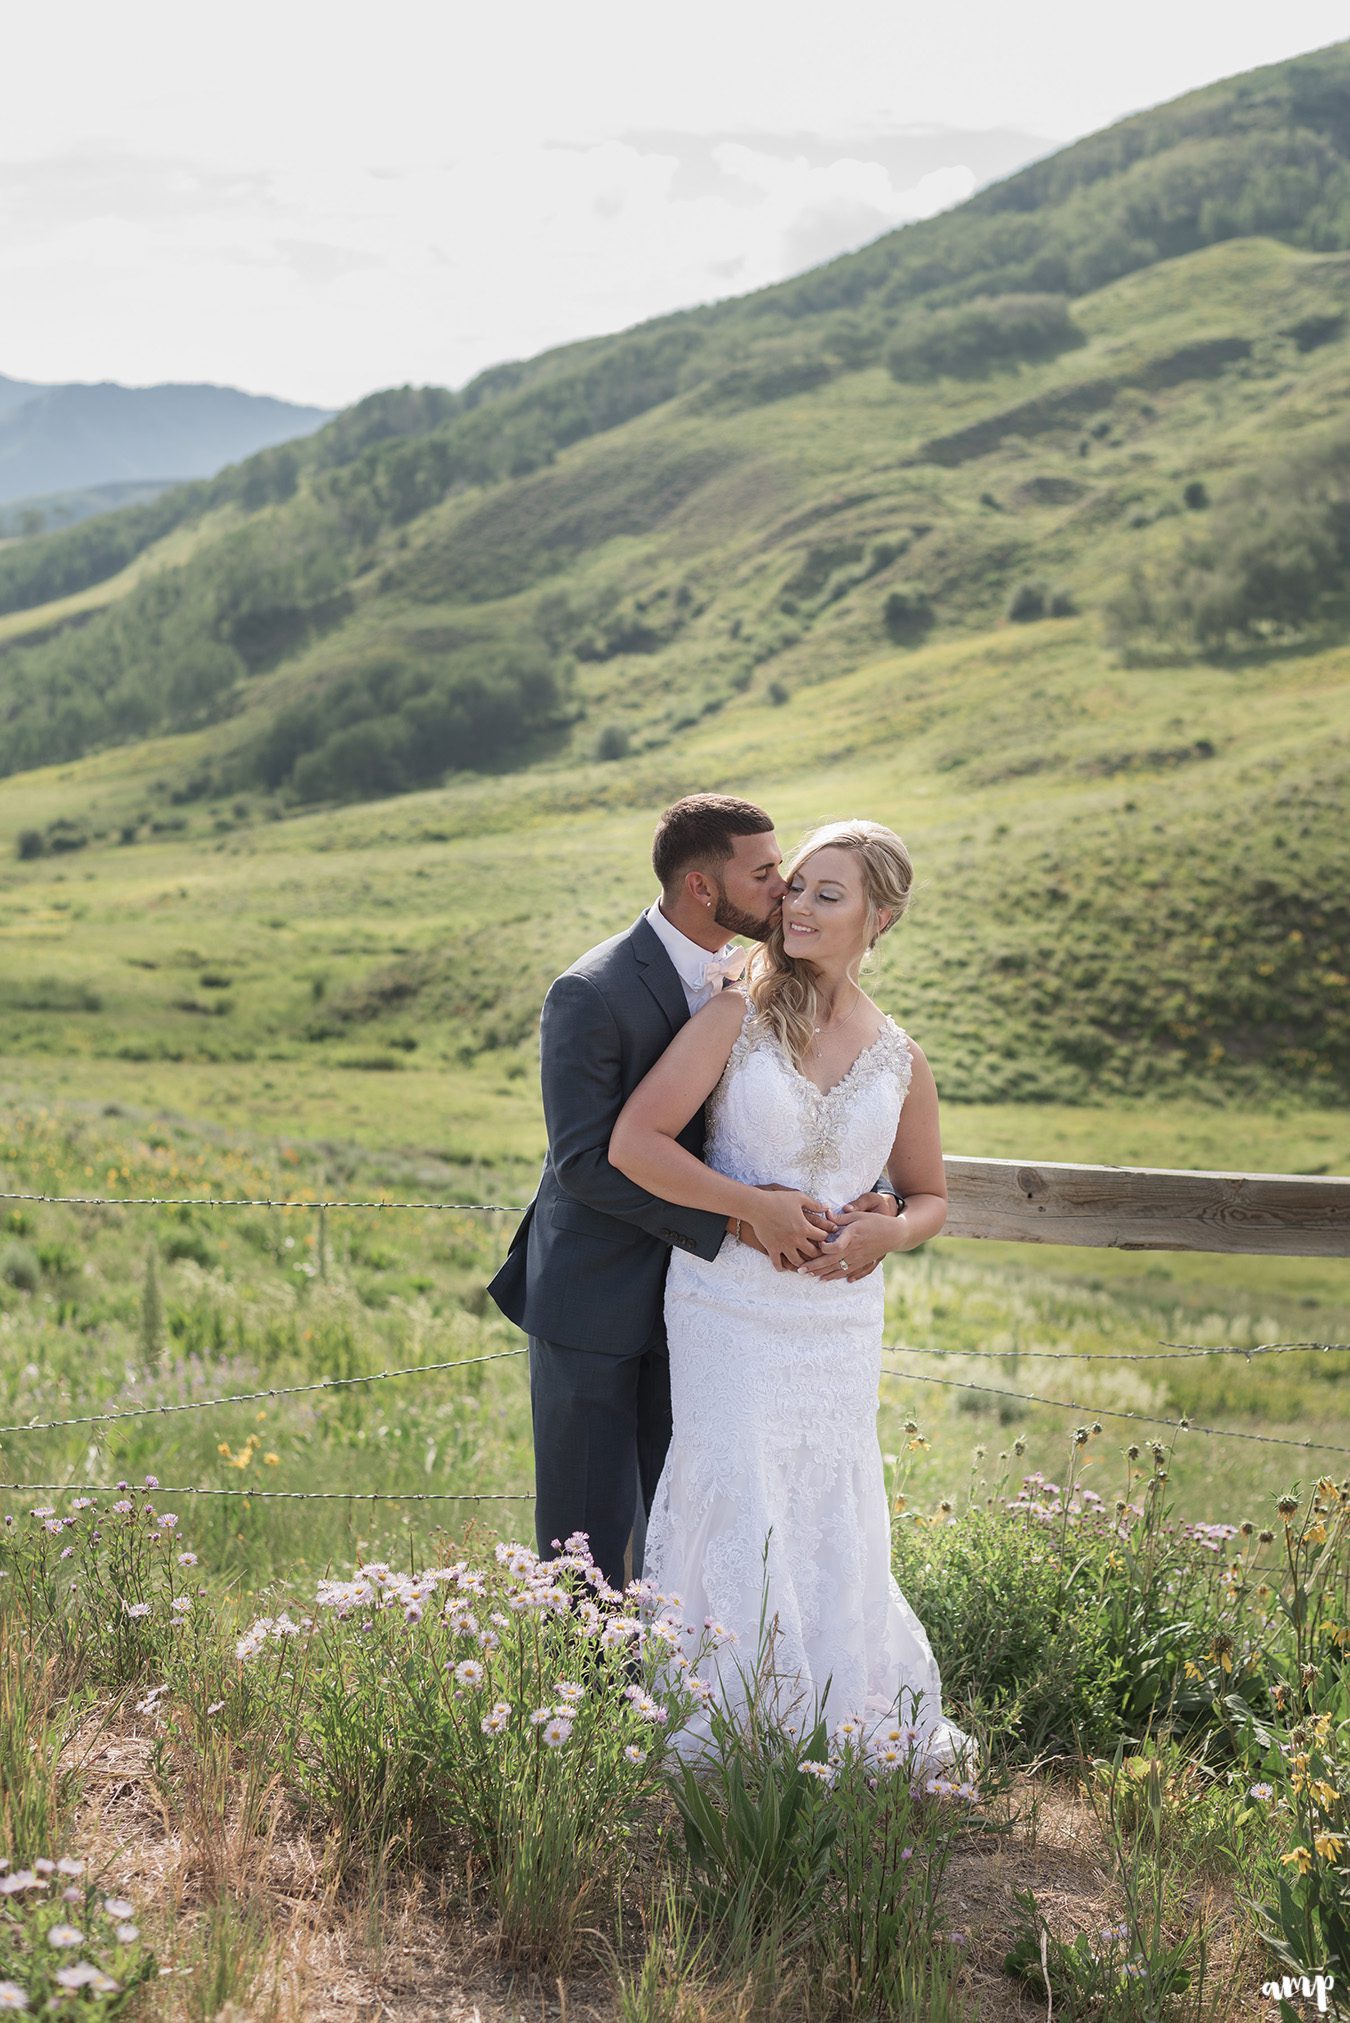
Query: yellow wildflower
[1193, 1670]
[1329, 1845]
[1300, 1858]
[271, 1459]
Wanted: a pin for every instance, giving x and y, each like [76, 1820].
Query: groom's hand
[872, 1204]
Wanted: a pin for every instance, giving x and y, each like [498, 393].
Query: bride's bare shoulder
[724, 1011]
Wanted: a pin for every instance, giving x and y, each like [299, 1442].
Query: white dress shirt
[689, 959]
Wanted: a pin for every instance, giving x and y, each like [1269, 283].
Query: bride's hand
[790, 1226]
[863, 1240]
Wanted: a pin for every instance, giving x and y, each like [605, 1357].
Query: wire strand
[295, 1495]
[233, 1201]
[251, 1397]
[1181, 1424]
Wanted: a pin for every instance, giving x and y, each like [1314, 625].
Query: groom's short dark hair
[700, 830]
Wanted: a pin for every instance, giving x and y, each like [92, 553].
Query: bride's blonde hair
[782, 989]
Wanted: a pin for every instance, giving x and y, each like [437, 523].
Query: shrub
[1027, 603]
[613, 743]
[19, 1267]
[982, 336]
[908, 614]
[1196, 496]
[32, 843]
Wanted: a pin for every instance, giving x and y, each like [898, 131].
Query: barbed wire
[890, 1348]
[293, 1495]
[503, 1355]
[1181, 1424]
[251, 1397]
[1171, 1352]
[253, 1201]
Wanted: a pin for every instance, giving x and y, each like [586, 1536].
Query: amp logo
[1313, 1986]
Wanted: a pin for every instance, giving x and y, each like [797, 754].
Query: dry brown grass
[315, 1939]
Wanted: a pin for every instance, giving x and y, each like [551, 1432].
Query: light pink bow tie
[724, 967]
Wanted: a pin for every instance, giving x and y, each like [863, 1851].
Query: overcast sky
[319, 200]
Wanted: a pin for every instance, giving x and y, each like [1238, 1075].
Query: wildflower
[43, 1510]
[118, 1907]
[128, 1934]
[44, 1866]
[822, 1772]
[136, 1609]
[1300, 1858]
[1329, 1845]
[253, 1639]
[65, 1935]
[55, 1525]
[123, 1505]
[469, 1672]
[181, 1604]
[187, 1559]
[557, 1732]
[167, 1520]
[540, 1715]
[67, 1551]
[215, 1706]
[1264, 1792]
[84, 1975]
[12, 1996]
[633, 1753]
[493, 1723]
[83, 1503]
[568, 1690]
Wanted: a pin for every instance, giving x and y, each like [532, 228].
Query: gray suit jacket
[587, 1266]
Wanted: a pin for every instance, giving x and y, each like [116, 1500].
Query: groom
[585, 1274]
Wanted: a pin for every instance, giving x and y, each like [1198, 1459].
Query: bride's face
[825, 910]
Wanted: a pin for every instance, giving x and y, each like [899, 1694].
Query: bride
[772, 1507]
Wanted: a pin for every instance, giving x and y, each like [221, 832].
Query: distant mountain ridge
[72, 437]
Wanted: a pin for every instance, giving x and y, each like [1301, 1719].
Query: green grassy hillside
[1061, 587]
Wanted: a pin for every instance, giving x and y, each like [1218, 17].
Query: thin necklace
[851, 1010]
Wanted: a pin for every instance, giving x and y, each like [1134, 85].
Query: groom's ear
[700, 888]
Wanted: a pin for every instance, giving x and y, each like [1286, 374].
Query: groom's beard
[749, 924]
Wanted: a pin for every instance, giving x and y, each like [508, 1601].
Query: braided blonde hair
[783, 989]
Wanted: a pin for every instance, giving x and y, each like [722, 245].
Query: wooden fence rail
[1148, 1208]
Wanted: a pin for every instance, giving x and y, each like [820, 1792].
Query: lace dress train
[772, 1508]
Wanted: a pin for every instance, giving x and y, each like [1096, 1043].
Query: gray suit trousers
[601, 1430]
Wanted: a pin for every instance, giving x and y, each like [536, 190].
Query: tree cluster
[1274, 553]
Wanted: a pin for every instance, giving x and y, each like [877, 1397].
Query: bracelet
[738, 1229]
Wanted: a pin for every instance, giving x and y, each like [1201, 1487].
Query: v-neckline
[850, 1070]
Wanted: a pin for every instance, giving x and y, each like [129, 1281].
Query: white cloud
[317, 203]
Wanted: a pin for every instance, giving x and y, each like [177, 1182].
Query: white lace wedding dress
[774, 1465]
